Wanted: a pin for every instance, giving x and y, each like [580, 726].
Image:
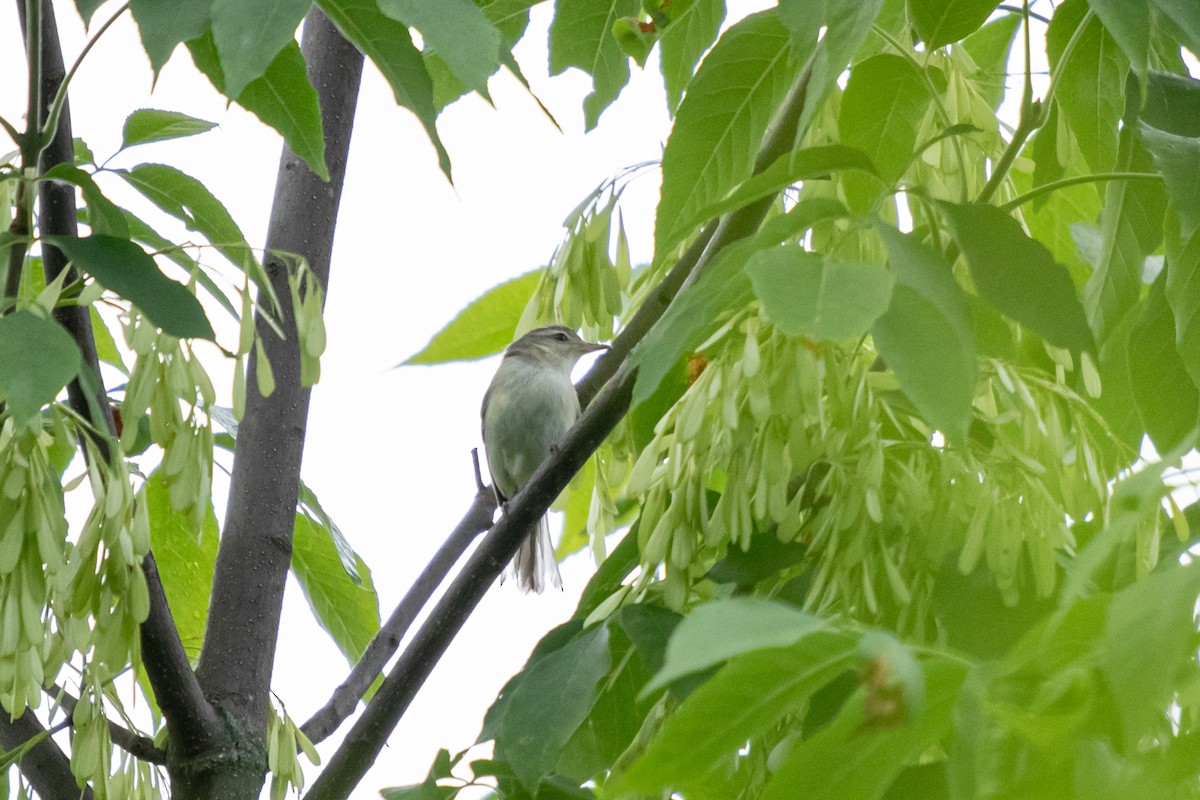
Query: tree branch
[256, 542]
[166, 662]
[345, 698]
[45, 766]
[136, 745]
[366, 738]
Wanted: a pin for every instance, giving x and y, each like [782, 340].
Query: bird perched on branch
[528, 408]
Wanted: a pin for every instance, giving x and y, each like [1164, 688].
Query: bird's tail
[534, 565]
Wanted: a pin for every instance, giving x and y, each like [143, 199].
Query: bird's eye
[562, 337]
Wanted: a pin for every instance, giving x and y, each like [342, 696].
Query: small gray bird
[528, 408]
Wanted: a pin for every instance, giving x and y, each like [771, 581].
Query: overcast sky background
[388, 450]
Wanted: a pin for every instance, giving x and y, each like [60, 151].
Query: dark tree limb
[367, 737]
[45, 766]
[183, 705]
[345, 698]
[256, 543]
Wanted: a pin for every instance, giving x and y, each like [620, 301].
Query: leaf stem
[1098, 177]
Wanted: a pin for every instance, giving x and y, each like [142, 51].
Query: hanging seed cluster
[169, 386]
[584, 286]
[779, 436]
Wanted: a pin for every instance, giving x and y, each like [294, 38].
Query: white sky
[388, 451]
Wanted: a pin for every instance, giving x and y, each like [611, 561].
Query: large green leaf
[1183, 295]
[1165, 395]
[103, 216]
[721, 121]
[152, 125]
[1018, 275]
[989, 48]
[389, 45]
[1178, 159]
[189, 201]
[581, 36]
[1130, 229]
[1148, 642]
[820, 297]
[692, 31]
[186, 558]
[740, 702]
[882, 108]
[457, 30]
[37, 359]
[484, 327]
[123, 267]
[833, 31]
[164, 24]
[1091, 84]
[717, 631]
[926, 336]
[1128, 22]
[843, 760]
[1186, 16]
[941, 22]
[249, 34]
[282, 98]
[551, 701]
[346, 607]
[723, 285]
[798, 165]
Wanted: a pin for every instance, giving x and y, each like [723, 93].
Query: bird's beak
[588, 347]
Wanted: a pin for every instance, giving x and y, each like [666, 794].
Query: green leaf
[429, 790]
[151, 125]
[457, 31]
[37, 359]
[926, 336]
[723, 285]
[1128, 22]
[789, 169]
[550, 703]
[989, 48]
[186, 556]
[721, 121]
[189, 201]
[486, 326]
[307, 504]
[1116, 401]
[691, 32]
[1172, 103]
[164, 24]
[740, 702]
[87, 8]
[282, 98]
[348, 609]
[941, 22]
[1149, 640]
[1186, 15]
[836, 29]
[123, 267]
[1019, 276]
[717, 631]
[1130, 230]
[1091, 85]
[1183, 295]
[250, 33]
[106, 346]
[581, 36]
[103, 216]
[1178, 159]
[842, 760]
[139, 231]
[389, 45]
[807, 294]
[882, 108]
[1165, 395]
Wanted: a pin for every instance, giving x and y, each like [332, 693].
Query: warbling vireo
[528, 408]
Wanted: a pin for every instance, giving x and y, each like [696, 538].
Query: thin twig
[135, 744]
